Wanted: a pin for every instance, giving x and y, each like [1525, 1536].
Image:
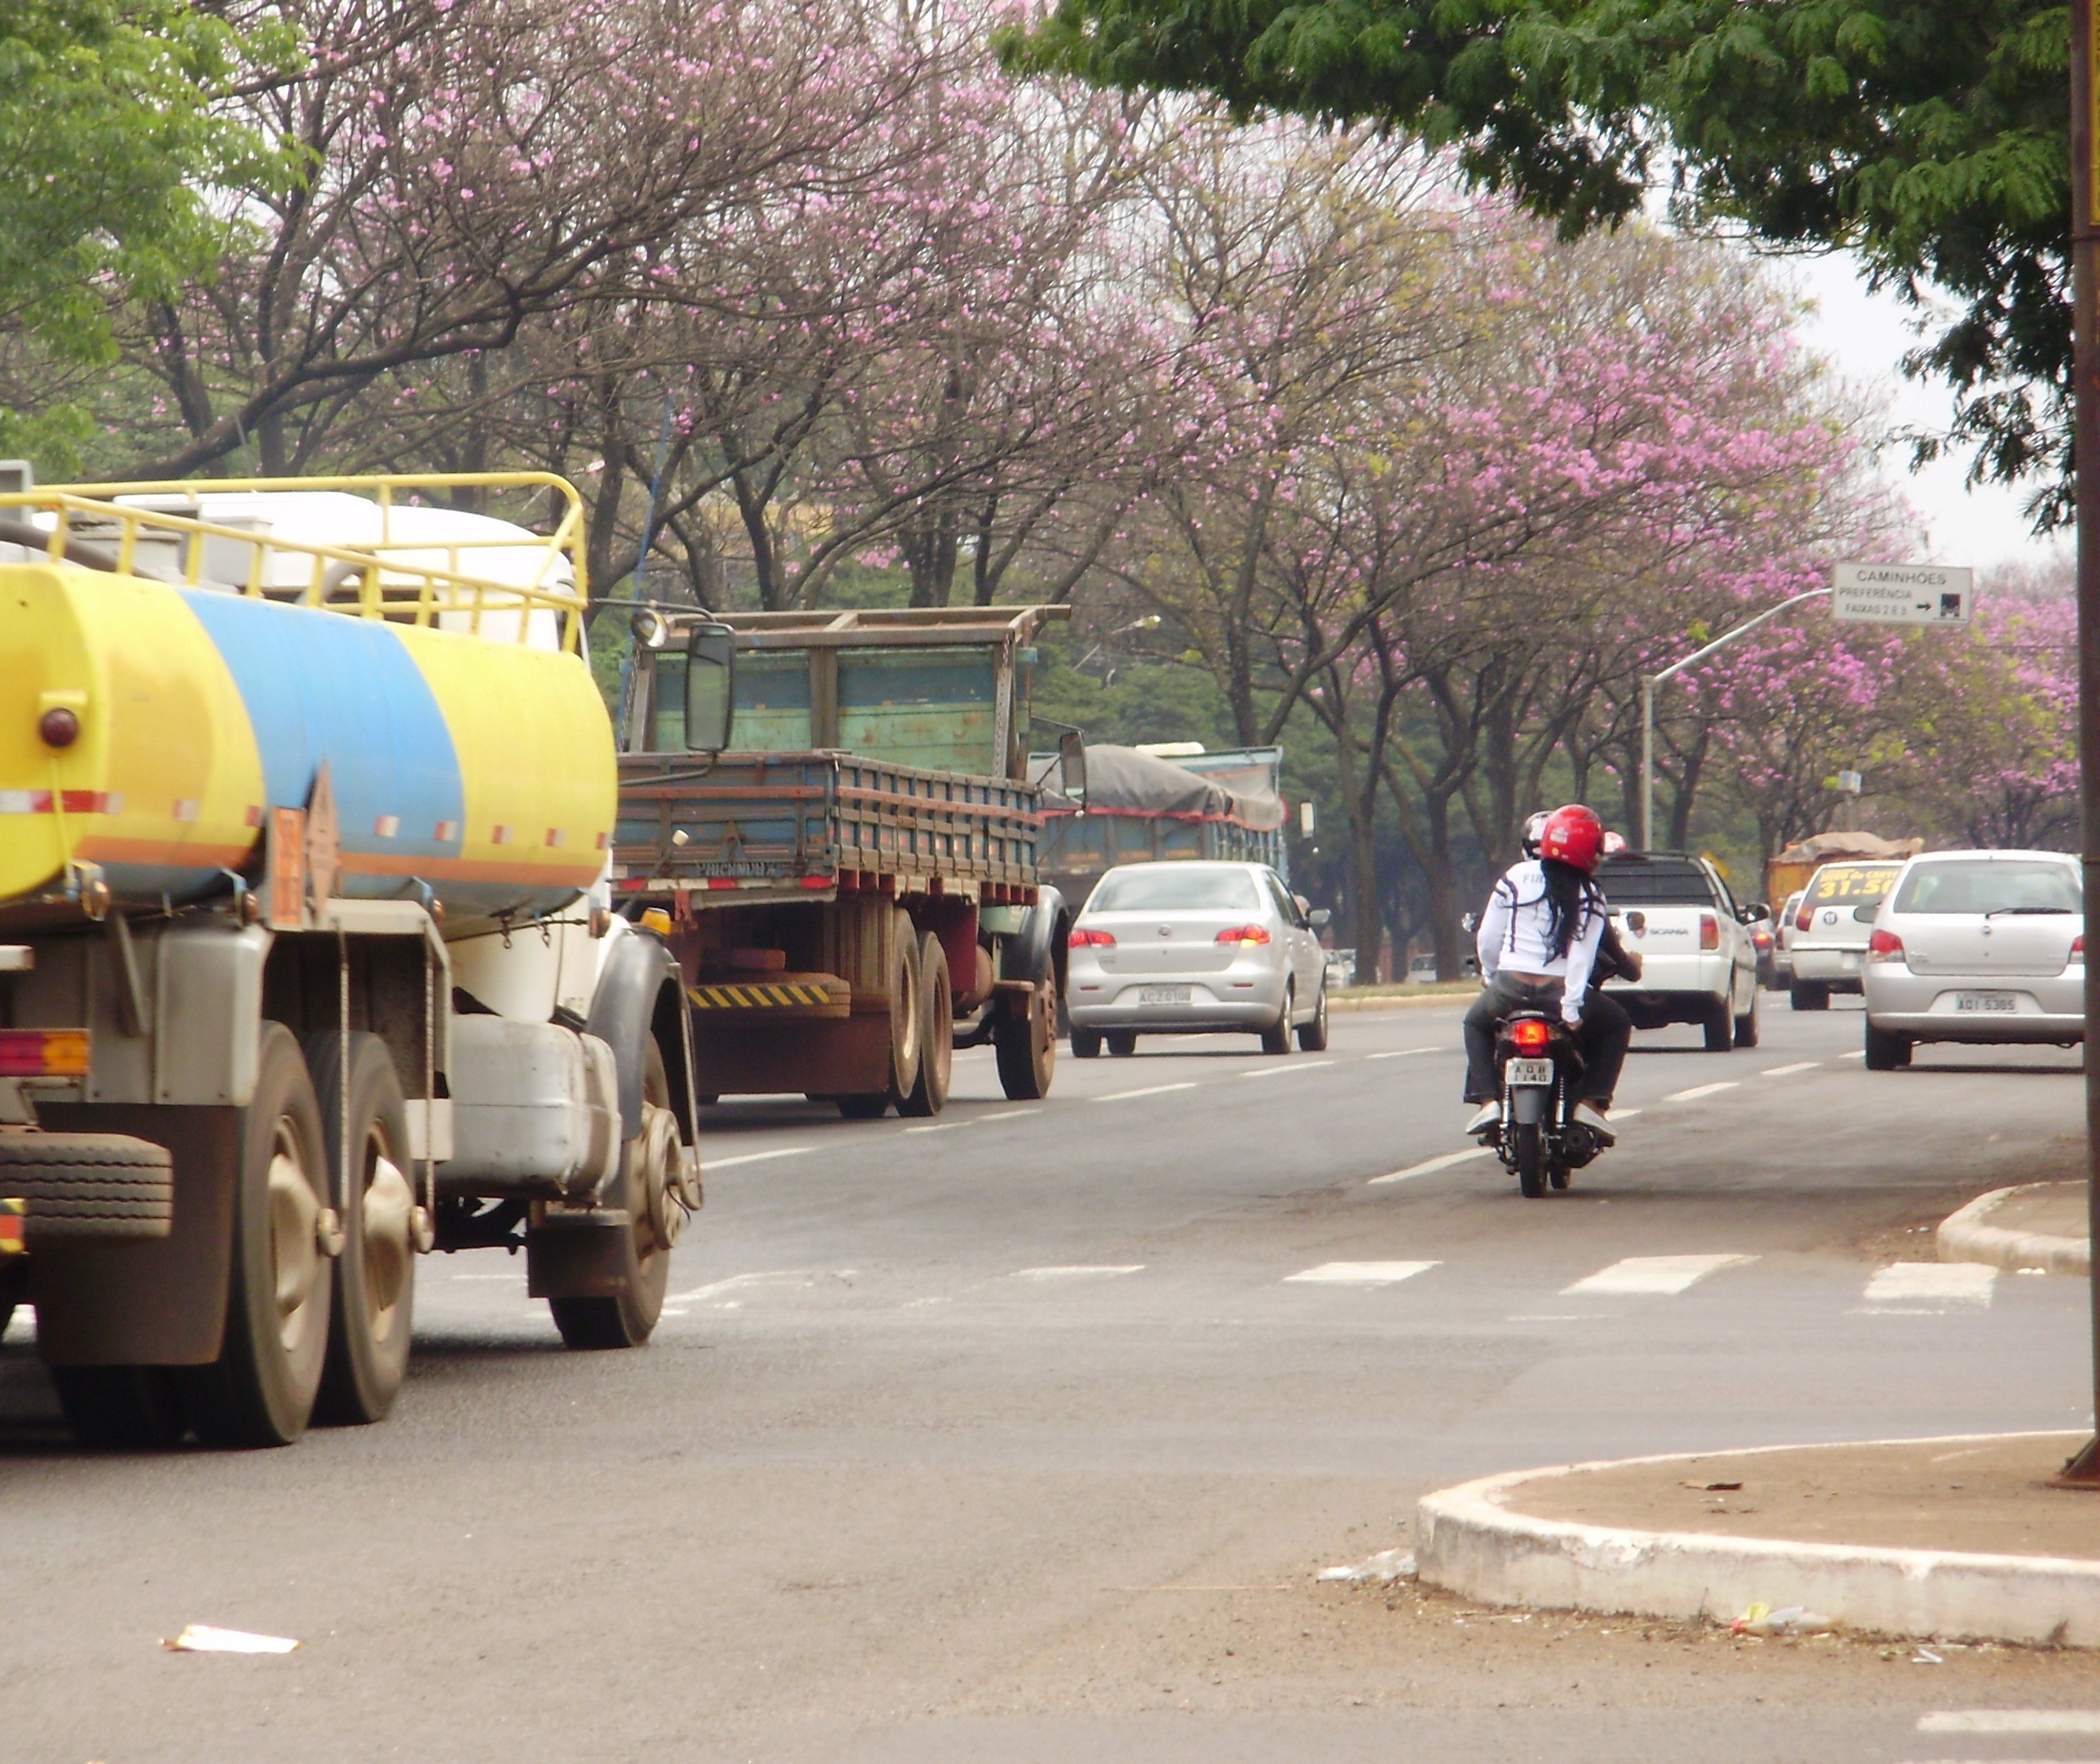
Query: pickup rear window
[1655, 882]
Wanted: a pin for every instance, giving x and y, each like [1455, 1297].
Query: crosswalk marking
[1786, 1071]
[1359, 1273]
[1150, 1089]
[1428, 1164]
[1911, 1283]
[1651, 1275]
[1697, 1091]
[2010, 1721]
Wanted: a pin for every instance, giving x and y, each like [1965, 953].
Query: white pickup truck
[1698, 962]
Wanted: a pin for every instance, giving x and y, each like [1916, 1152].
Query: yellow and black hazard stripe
[754, 995]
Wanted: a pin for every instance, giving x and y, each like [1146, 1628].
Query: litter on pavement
[1387, 1565]
[1789, 1620]
[202, 1639]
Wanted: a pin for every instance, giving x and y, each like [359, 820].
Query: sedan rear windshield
[1155, 888]
[1655, 882]
[1998, 885]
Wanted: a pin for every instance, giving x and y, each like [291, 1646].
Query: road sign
[1902, 594]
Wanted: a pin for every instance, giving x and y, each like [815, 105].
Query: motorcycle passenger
[1538, 944]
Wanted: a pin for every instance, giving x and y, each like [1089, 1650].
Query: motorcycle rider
[1539, 943]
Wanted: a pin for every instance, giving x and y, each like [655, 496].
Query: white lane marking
[1782, 1071]
[511, 1275]
[1010, 1114]
[1359, 1273]
[1150, 1089]
[938, 1126]
[1402, 1053]
[1907, 1283]
[737, 1282]
[2010, 1721]
[1426, 1165]
[1078, 1271]
[1281, 1071]
[1857, 1053]
[1697, 1091]
[1652, 1275]
[708, 1165]
[1622, 1114]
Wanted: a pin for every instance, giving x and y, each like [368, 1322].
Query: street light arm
[1674, 668]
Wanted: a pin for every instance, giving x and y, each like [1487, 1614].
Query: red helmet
[1574, 834]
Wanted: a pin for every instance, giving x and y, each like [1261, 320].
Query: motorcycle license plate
[1163, 994]
[1529, 1071]
[1987, 1001]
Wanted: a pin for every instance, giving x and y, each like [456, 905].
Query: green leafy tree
[1931, 138]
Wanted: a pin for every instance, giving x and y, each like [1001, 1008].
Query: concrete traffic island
[2037, 1224]
[1959, 1537]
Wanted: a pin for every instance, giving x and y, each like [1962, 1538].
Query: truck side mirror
[710, 687]
[1072, 763]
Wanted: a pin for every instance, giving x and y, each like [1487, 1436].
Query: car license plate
[1529, 1071]
[1987, 1001]
[1163, 994]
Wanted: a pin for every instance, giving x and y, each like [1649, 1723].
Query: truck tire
[627, 1319]
[907, 1015]
[374, 1304]
[937, 1037]
[79, 1188]
[1086, 1045]
[1746, 1024]
[1808, 995]
[1025, 1042]
[1720, 1025]
[261, 1390]
[122, 1408]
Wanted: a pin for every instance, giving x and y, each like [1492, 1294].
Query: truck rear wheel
[261, 1390]
[374, 1298]
[937, 1041]
[627, 1319]
[1024, 1039]
[907, 1013]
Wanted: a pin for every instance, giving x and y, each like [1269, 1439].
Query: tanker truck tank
[427, 656]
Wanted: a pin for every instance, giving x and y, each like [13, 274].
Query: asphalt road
[1023, 1435]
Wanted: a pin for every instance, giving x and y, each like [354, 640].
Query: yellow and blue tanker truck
[306, 966]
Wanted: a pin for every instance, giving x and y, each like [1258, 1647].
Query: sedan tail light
[1709, 932]
[1885, 946]
[2078, 947]
[1530, 1035]
[1803, 920]
[1086, 939]
[1244, 934]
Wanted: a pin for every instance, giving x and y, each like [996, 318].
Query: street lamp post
[1649, 683]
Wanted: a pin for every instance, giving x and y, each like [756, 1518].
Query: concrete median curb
[1969, 1236]
[1469, 1542]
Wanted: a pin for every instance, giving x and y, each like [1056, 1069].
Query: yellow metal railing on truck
[388, 578]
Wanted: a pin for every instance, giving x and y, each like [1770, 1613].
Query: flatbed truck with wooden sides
[850, 888]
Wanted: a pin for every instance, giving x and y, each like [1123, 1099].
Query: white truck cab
[1698, 963]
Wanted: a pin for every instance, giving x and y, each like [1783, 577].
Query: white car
[1698, 963]
[1977, 946]
[1830, 928]
[1166, 949]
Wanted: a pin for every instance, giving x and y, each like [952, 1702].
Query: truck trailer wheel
[80, 1187]
[1025, 1042]
[628, 1318]
[261, 1390]
[907, 1013]
[929, 1096]
[374, 1298]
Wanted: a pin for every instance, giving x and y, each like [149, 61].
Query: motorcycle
[1538, 1066]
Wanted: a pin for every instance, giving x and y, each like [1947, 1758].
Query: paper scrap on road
[202, 1639]
[2010, 1721]
[1789, 1620]
[1387, 1565]
[1360, 1273]
[1697, 1091]
[1652, 1275]
[1904, 1284]
[1427, 1165]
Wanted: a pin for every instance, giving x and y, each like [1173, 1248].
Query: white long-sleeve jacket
[1513, 934]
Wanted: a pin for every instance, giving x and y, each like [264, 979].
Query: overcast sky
[1865, 335]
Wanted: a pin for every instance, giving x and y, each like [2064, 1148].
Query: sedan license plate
[1163, 994]
[1529, 1071]
[1987, 1001]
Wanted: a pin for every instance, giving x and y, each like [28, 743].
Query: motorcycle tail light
[1086, 939]
[1885, 946]
[1530, 1036]
[1709, 932]
[1244, 934]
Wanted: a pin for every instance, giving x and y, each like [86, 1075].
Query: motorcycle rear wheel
[1530, 1149]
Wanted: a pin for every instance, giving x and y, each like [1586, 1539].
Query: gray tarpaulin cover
[1122, 779]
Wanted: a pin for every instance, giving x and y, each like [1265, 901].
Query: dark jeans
[1602, 1038]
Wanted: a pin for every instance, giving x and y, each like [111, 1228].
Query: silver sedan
[1977, 946]
[1176, 948]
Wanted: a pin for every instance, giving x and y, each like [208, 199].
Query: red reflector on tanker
[817, 881]
[1244, 934]
[1086, 939]
[43, 1053]
[1885, 946]
[1709, 932]
[1531, 1035]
